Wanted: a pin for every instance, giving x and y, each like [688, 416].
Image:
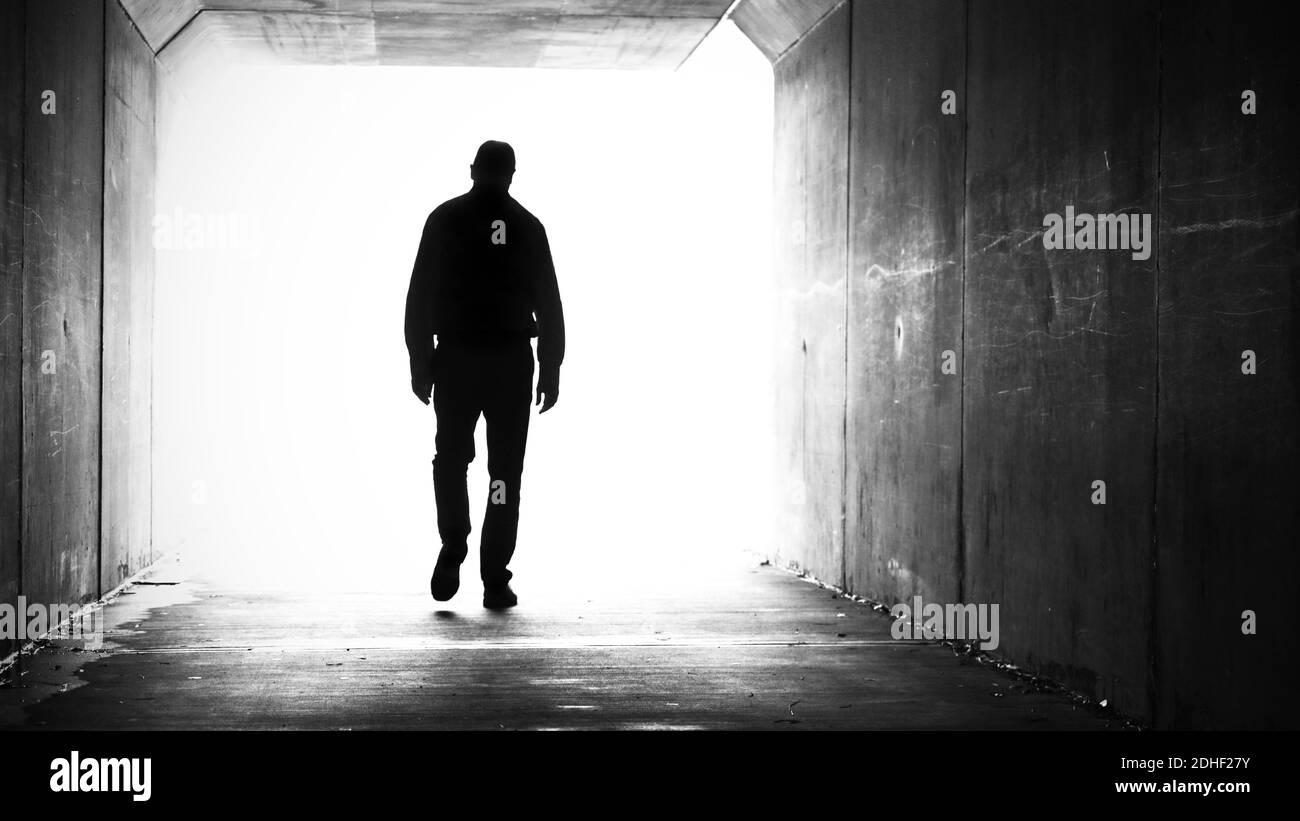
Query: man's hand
[422, 390]
[548, 390]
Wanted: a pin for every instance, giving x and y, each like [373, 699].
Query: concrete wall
[904, 413]
[1071, 367]
[12, 56]
[62, 258]
[74, 373]
[810, 262]
[1060, 346]
[129, 160]
[1227, 514]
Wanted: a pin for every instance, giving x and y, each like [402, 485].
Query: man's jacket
[483, 271]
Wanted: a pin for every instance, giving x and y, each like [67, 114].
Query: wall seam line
[848, 276]
[809, 31]
[726, 15]
[177, 33]
[134, 27]
[103, 290]
[1153, 688]
[22, 331]
[156, 102]
[965, 260]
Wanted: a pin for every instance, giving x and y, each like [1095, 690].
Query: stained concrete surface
[76, 281]
[130, 153]
[1072, 367]
[745, 646]
[1060, 351]
[12, 58]
[810, 263]
[906, 207]
[1228, 442]
[62, 245]
[639, 34]
[776, 25]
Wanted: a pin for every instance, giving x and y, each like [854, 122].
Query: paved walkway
[741, 646]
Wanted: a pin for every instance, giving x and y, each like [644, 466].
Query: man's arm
[550, 325]
[419, 311]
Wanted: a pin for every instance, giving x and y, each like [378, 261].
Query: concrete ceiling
[511, 33]
[776, 25]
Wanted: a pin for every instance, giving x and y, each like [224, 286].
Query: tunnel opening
[288, 449]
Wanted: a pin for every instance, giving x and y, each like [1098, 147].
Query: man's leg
[457, 411]
[507, 415]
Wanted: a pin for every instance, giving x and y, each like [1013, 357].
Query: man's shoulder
[466, 206]
[450, 208]
[520, 212]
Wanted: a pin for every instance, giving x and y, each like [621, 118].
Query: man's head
[494, 165]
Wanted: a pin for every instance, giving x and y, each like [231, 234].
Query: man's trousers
[493, 378]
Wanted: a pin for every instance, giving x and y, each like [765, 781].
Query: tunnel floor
[752, 648]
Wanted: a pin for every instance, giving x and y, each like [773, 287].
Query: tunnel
[1014, 333]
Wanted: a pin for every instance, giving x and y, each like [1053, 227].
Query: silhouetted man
[482, 273]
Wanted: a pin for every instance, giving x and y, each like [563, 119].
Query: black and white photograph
[387, 383]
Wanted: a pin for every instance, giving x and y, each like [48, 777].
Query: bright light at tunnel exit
[289, 451]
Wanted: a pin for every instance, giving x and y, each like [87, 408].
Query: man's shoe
[445, 581]
[499, 596]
